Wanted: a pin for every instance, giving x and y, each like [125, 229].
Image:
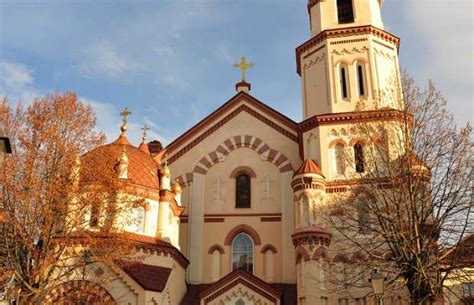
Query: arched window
[345, 11]
[363, 214]
[242, 253]
[242, 191]
[361, 79]
[340, 159]
[344, 81]
[240, 302]
[359, 158]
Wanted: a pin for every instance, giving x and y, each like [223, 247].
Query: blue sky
[171, 62]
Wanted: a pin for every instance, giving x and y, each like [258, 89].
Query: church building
[239, 225]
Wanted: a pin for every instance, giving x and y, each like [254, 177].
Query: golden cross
[125, 113]
[145, 128]
[243, 65]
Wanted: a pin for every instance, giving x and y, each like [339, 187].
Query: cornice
[343, 32]
[352, 117]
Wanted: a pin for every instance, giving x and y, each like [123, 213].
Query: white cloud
[174, 81]
[17, 82]
[109, 122]
[102, 59]
[445, 29]
[14, 75]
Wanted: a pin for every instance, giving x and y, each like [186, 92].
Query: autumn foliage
[53, 201]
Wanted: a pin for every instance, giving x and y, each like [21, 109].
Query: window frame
[232, 252]
[237, 196]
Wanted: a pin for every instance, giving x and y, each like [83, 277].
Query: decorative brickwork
[79, 292]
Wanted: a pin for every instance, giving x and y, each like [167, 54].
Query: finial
[145, 128]
[165, 168]
[125, 113]
[243, 65]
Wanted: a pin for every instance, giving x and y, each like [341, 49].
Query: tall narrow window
[340, 159]
[345, 11]
[360, 79]
[94, 216]
[242, 253]
[359, 158]
[343, 76]
[242, 191]
[363, 214]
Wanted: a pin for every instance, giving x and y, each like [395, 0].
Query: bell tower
[349, 59]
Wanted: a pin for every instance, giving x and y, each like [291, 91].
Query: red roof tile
[142, 169]
[309, 167]
[149, 277]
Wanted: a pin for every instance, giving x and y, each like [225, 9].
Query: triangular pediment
[240, 285]
[241, 102]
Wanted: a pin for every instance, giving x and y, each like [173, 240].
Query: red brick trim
[269, 247]
[91, 293]
[243, 170]
[216, 247]
[242, 141]
[349, 31]
[242, 229]
[198, 133]
[321, 253]
[270, 219]
[213, 219]
[301, 253]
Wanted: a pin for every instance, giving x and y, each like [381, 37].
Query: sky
[170, 61]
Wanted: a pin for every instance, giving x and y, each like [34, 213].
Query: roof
[142, 169]
[149, 277]
[287, 291]
[240, 277]
[309, 167]
[217, 119]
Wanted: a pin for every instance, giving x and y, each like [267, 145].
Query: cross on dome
[145, 128]
[125, 113]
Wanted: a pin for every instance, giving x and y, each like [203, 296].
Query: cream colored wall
[324, 15]
[199, 198]
[321, 75]
[269, 232]
[225, 201]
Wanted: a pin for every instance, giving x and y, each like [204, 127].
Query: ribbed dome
[142, 169]
[309, 167]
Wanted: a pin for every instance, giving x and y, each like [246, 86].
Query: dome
[142, 169]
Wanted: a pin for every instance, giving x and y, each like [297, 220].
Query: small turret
[177, 192]
[143, 146]
[165, 183]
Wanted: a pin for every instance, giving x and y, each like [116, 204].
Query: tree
[59, 204]
[411, 205]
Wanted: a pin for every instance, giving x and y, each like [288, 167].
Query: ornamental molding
[351, 51]
[314, 61]
[344, 32]
[384, 54]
